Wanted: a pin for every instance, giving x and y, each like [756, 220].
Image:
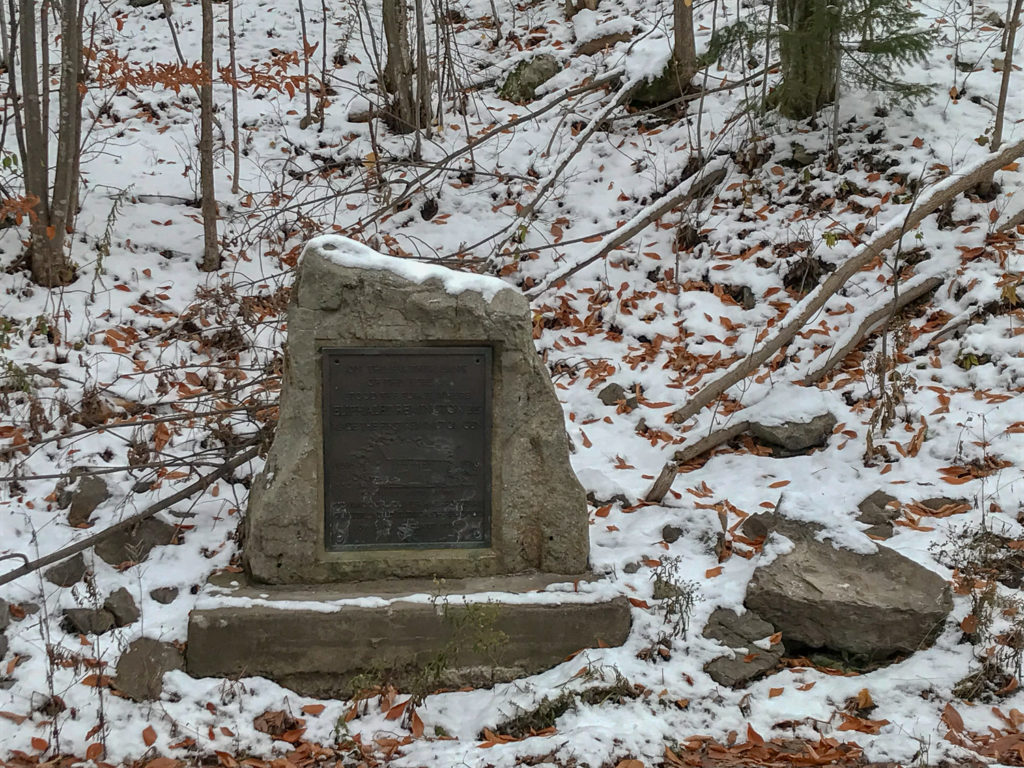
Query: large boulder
[522, 82]
[789, 438]
[823, 597]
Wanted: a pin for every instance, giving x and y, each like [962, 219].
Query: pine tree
[821, 42]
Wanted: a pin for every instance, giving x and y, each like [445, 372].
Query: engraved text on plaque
[407, 456]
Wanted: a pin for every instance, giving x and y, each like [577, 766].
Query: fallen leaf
[313, 709]
[149, 736]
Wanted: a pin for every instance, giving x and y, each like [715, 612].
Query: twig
[80, 546]
[907, 296]
[887, 236]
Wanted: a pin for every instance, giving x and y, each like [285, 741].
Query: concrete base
[318, 642]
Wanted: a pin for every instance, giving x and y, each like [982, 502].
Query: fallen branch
[707, 443]
[90, 541]
[870, 323]
[884, 238]
[663, 483]
[1013, 222]
[695, 187]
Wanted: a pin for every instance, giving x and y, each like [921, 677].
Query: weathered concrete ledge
[319, 650]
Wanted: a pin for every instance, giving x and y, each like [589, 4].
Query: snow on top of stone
[349, 253]
[587, 25]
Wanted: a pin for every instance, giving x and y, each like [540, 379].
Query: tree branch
[837, 354]
[80, 546]
[886, 237]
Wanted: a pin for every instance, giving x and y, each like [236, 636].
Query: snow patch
[349, 253]
[588, 26]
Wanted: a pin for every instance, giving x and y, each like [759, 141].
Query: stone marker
[419, 433]
[419, 439]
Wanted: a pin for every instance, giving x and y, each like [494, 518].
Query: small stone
[942, 501]
[670, 534]
[4, 644]
[122, 607]
[631, 567]
[141, 668]
[875, 509]
[141, 486]
[801, 156]
[613, 394]
[522, 82]
[881, 531]
[795, 437]
[142, 3]
[89, 492]
[741, 632]
[164, 595]
[134, 544]
[88, 621]
[66, 573]
[665, 590]
[5, 615]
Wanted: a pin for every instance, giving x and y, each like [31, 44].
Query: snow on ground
[143, 332]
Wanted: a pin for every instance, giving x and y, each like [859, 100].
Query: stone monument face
[419, 433]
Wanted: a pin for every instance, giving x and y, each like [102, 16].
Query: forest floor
[148, 372]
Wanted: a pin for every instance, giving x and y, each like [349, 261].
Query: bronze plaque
[407, 447]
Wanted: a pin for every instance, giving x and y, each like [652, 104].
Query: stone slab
[319, 649]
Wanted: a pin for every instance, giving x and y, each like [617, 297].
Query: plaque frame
[328, 353]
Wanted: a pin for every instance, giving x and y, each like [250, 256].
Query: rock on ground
[66, 573]
[134, 544]
[122, 607]
[794, 437]
[741, 632]
[141, 668]
[523, 81]
[821, 597]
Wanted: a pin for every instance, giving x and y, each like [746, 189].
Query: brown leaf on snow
[276, 722]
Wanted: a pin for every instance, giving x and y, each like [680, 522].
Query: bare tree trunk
[684, 52]
[236, 148]
[398, 72]
[422, 72]
[1012, 22]
[50, 265]
[305, 60]
[64, 177]
[211, 248]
